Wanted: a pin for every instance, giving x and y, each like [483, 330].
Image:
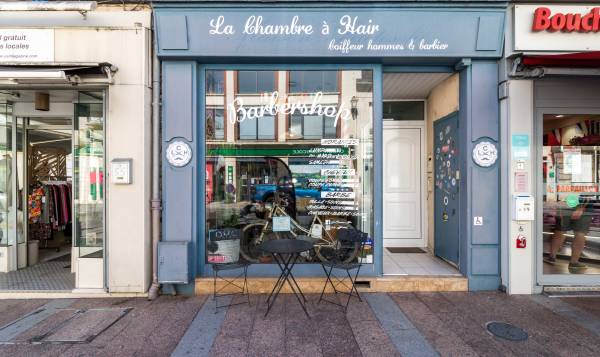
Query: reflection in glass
[254, 82]
[275, 177]
[88, 176]
[6, 163]
[571, 206]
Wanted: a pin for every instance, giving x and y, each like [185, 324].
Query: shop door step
[257, 285]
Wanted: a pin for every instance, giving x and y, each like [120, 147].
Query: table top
[286, 246]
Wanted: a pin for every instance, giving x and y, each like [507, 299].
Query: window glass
[308, 181]
[266, 127]
[313, 81]
[571, 205]
[255, 82]
[404, 110]
[88, 176]
[215, 124]
[215, 82]
[248, 129]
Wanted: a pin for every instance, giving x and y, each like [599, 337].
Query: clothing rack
[50, 207]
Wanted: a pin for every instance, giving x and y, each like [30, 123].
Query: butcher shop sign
[557, 28]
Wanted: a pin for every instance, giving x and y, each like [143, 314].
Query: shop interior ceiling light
[81, 6]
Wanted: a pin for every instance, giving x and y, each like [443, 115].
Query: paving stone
[547, 333]
[11, 309]
[443, 339]
[13, 329]
[402, 333]
[45, 327]
[200, 335]
[371, 338]
[86, 325]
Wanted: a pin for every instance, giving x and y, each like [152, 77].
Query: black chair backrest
[349, 237]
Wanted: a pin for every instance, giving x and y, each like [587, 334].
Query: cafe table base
[286, 262]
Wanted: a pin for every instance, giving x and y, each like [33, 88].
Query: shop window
[313, 81]
[262, 128]
[311, 127]
[215, 124]
[263, 186]
[571, 200]
[365, 83]
[252, 82]
[404, 110]
[215, 82]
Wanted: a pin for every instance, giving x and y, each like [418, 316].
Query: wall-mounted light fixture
[354, 107]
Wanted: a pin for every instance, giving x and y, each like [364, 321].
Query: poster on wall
[26, 45]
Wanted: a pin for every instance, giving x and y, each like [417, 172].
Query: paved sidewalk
[395, 324]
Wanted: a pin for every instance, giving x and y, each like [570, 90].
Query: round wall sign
[485, 154]
[179, 153]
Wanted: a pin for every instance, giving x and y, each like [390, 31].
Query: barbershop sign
[26, 45]
[557, 28]
[329, 32]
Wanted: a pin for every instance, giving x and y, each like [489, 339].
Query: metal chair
[346, 237]
[230, 281]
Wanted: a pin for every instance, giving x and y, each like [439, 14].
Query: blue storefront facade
[253, 95]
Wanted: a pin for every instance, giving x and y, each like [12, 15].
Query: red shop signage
[545, 20]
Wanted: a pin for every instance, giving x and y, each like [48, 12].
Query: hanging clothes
[49, 208]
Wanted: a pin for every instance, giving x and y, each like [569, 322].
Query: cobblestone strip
[203, 330]
[403, 334]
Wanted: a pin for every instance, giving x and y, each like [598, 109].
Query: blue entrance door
[446, 198]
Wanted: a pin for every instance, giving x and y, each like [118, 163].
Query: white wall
[121, 38]
[520, 116]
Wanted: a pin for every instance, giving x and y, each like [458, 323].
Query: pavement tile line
[202, 332]
[13, 329]
[573, 313]
[407, 339]
[90, 334]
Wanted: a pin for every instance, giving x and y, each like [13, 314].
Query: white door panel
[402, 200]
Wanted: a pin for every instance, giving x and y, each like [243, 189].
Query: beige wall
[442, 101]
[121, 38]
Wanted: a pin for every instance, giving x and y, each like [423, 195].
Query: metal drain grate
[506, 331]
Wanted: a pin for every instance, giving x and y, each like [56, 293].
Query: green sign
[229, 174]
[572, 200]
[276, 151]
[520, 146]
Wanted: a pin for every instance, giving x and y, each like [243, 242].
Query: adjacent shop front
[552, 109]
[74, 151]
[293, 122]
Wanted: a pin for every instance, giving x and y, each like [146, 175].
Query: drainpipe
[155, 202]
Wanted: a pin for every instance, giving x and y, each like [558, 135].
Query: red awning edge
[569, 60]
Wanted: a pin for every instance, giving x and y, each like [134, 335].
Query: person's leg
[558, 239]
[577, 246]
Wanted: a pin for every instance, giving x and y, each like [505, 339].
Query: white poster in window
[282, 224]
[586, 172]
[572, 161]
[316, 231]
[26, 45]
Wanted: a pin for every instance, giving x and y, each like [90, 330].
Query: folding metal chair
[230, 281]
[347, 240]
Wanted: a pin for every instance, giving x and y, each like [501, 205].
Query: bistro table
[286, 253]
